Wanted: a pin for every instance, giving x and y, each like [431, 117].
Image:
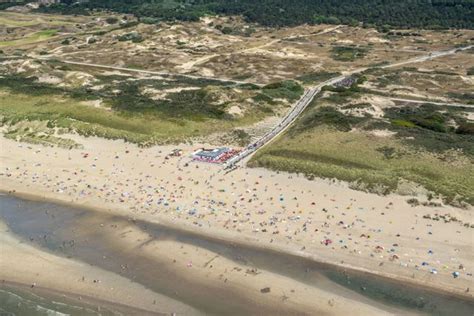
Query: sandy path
[199, 61]
[433, 102]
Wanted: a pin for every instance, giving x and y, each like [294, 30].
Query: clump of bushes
[423, 116]
[91, 40]
[289, 90]
[403, 123]
[328, 115]
[243, 138]
[149, 20]
[317, 76]
[430, 128]
[111, 20]
[132, 36]
[347, 53]
[465, 128]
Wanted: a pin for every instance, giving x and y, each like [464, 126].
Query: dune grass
[375, 163]
[143, 128]
[31, 38]
[126, 112]
[11, 22]
[347, 53]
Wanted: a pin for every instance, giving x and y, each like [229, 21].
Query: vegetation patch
[317, 77]
[132, 36]
[348, 53]
[289, 90]
[328, 116]
[400, 14]
[370, 163]
[128, 108]
[31, 38]
[37, 132]
[403, 123]
[127, 96]
[432, 128]
[356, 106]
[465, 128]
[242, 137]
[72, 115]
[318, 158]
[463, 97]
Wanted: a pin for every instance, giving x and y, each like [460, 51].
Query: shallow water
[76, 233]
[21, 302]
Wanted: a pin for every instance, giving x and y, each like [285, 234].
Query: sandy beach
[319, 219]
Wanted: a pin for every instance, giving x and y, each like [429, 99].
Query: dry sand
[318, 219]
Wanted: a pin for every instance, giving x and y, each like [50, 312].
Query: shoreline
[247, 241]
[84, 299]
[37, 268]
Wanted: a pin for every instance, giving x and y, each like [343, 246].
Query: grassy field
[31, 38]
[10, 22]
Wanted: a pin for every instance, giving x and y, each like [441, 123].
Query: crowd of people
[315, 216]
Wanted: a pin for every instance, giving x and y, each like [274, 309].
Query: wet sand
[23, 264]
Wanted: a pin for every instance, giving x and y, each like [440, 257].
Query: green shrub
[227, 30]
[346, 53]
[463, 97]
[426, 127]
[132, 36]
[261, 97]
[128, 24]
[329, 116]
[430, 124]
[403, 123]
[315, 77]
[100, 33]
[356, 106]
[149, 20]
[111, 20]
[465, 128]
[289, 90]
